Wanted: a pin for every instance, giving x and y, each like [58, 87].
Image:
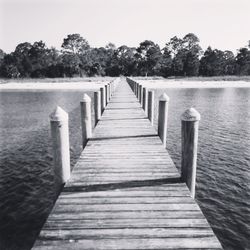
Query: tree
[213, 62]
[164, 65]
[94, 62]
[185, 53]
[75, 48]
[2, 55]
[229, 67]
[22, 58]
[71, 65]
[191, 41]
[39, 59]
[9, 68]
[123, 62]
[148, 54]
[75, 44]
[192, 51]
[243, 62]
[174, 45]
[54, 63]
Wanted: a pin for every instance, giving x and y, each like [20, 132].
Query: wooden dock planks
[125, 192]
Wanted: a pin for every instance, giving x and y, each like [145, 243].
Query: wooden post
[189, 132]
[112, 88]
[151, 106]
[110, 91]
[162, 118]
[97, 106]
[136, 89]
[145, 100]
[60, 140]
[103, 99]
[86, 119]
[106, 95]
[140, 94]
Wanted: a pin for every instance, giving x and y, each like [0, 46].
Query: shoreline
[182, 84]
[12, 86]
[153, 84]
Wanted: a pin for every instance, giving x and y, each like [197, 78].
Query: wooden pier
[125, 192]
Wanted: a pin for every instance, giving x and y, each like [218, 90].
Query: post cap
[164, 98]
[59, 115]
[86, 98]
[190, 115]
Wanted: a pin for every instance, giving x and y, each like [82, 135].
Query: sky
[222, 24]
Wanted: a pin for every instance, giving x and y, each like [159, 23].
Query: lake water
[223, 175]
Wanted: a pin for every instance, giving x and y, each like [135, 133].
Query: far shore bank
[158, 84]
[95, 83]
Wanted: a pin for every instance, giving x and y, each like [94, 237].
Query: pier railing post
[162, 118]
[189, 132]
[110, 91]
[141, 94]
[138, 91]
[151, 106]
[106, 95]
[136, 88]
[97, 106]
[86, 119]
[112, 87]
[103, 99]
[60, 141]
[145, 100]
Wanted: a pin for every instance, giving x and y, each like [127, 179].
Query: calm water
[223, 178]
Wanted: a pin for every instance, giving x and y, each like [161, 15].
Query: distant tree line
[179, 57]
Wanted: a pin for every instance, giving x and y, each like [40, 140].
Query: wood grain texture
[124, 191]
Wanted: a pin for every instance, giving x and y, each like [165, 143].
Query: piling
[60, 143]
[138, 91]
[86, 119]
[189, 137]
[145, 100]
[110, 90]
[162, 118]
[151, 106]
[136, 88]
[103, 98]
[140, 96]
[106, 95]
[97, 106]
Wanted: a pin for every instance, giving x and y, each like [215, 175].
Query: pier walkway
[125, 192]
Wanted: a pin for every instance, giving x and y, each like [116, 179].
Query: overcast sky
[223, 24]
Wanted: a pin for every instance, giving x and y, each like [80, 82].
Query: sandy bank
[193, 84]
[52, 85]
[96, 85]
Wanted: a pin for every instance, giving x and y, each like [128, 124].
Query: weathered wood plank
[130, 233]
[130, 244]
